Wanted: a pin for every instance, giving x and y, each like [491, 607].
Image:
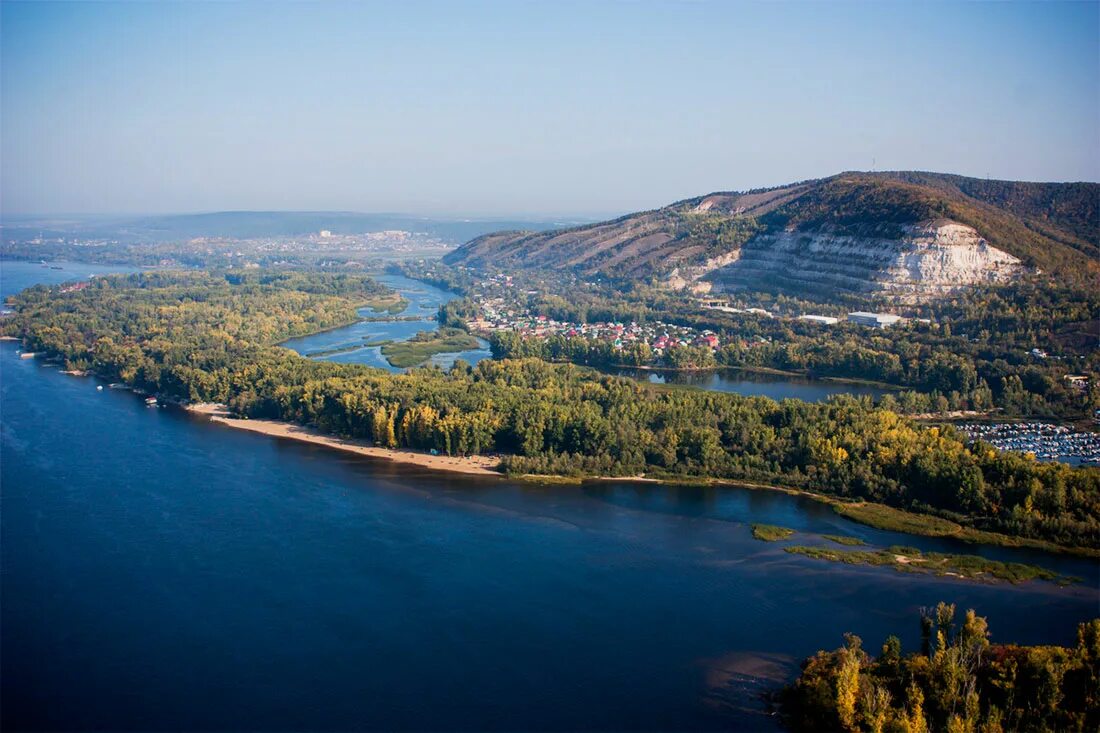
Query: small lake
[753, 384]
[346, 343]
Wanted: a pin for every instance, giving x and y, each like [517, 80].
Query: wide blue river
[163, 572]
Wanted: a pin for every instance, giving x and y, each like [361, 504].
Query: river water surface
[160, 571]
[164, 572]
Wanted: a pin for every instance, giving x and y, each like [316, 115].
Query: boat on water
[99, 388]
[151, 401]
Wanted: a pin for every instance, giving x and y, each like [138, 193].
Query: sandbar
[482, 465]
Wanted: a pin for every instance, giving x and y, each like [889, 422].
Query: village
[503, 308]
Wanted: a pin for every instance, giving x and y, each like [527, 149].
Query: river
[161, 571]
[15, 275]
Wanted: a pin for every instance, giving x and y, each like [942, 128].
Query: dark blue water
[160, 571]
[775, 386]
[424, 301]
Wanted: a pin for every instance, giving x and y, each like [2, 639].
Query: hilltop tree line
[211, 337]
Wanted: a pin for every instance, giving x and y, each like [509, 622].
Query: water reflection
[751, 384]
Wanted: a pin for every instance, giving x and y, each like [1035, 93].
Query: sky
[526, 108]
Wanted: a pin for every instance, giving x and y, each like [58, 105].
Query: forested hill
[924, 233]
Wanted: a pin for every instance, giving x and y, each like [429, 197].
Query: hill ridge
[705, 241]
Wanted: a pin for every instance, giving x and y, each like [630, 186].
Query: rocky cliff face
[926, 260]
[906, 235]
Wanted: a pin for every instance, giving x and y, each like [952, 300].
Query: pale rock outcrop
[682, 277]
[927, 260]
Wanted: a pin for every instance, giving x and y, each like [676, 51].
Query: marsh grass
[427, 344]
[770, 533]
[912, 560]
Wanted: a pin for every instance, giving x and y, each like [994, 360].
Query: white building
[875, 320]
[821, 320]
[325, 234]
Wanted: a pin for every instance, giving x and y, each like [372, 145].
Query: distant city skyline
[556, 109]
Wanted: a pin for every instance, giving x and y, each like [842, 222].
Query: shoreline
[476, 465]
[914, 524]
[877, 516]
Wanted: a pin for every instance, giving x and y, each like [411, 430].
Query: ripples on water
[163, 571]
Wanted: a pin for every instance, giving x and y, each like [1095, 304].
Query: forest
[212, 337]
[958, 682]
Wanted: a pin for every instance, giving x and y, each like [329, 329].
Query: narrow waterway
[349, 344]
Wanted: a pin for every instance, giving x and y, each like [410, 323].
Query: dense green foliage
[958, 682]
[204, 337]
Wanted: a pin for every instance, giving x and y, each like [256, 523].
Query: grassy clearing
[843, 539]
[427, 344]
[912, 560]
[770, 533]
[897, 520]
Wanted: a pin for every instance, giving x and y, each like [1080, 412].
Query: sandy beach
[473, 464]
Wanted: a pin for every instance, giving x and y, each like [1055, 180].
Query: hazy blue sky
[527, 108]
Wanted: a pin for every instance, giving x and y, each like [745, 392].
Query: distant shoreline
[477, 465]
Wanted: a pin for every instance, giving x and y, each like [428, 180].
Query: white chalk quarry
[929, 259]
